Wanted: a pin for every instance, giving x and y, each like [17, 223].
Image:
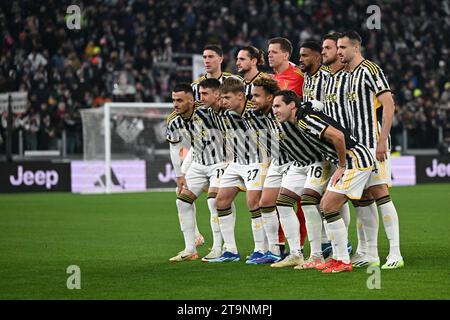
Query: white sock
[214, 221]
[227, 229]
[258, 234]
[266, 240]
[329, 235]
[258, 230]
[339, 234]
[271, 225]
[233, 213]
[291, 228]
[187, 224]
[197, 232]
[325, 238]
[314, 228]
[362, 242]
[369, 218]
[345, 214]
[391, 226]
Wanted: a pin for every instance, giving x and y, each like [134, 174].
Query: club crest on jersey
[197, 119]
[331, 97]
[280, 136]
[309, 93]
[351, 96]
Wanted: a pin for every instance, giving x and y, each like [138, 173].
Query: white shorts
[294, 179]
[352, 184]
[319, 174]
[244, 176]
[382, 171]
[199, 176]
[275, 175]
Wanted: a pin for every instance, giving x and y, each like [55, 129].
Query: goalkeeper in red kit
[289, 77]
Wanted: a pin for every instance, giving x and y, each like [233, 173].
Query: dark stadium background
[67, 70]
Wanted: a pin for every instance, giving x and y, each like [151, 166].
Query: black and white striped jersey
[177, 129]
[314, 84]
[246, 136]
[207, 142]
[205, 136]
[249, 86]
[314, 124]
[196, 88]
[367, 82]
[335, 98]
[279, 153]
[302, 150]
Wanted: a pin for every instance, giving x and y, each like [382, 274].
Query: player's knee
[329, 206]
[379, 191]
[363, 202]
[253, 203]
[266, 202]
[185, 198]
[331, 216]
[255, 213]
[355, 203]
[222, 202]
[383, 200]
[184, 203]
[367, 195]
[310, 200]
[285, 201]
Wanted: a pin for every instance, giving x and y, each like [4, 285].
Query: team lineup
[314, 136]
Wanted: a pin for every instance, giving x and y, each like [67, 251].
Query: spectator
[130, 46]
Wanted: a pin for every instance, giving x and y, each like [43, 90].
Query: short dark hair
[352, 35]
[185, 87]
[269, 84]
[313, 45]
[214, 47]
[332, 36]
[232, 85]
[210, 83]
[289, 96]
[255, 53]
[285, 44]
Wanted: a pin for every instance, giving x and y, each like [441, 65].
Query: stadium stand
[134, 41]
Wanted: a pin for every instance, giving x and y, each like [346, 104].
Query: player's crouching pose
[201, 128]
[354, 163]
[263, 92]
[296, 183]
[243, 133]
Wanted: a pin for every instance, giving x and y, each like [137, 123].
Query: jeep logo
[438, 169]
[48, 178]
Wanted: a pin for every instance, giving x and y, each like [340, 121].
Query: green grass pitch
[122, 244]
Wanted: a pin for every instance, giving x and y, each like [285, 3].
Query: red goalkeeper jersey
[290, 79]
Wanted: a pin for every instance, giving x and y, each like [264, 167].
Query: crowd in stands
[126, 51]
